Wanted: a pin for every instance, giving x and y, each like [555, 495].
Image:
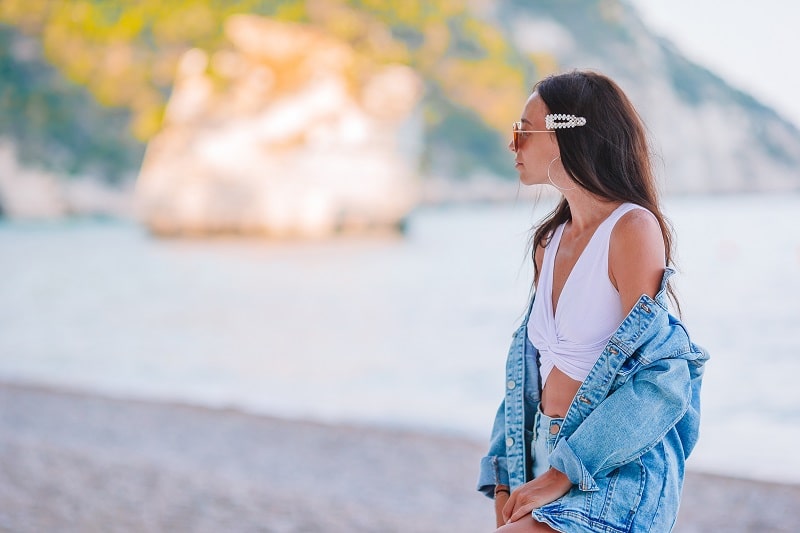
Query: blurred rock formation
[287, 132]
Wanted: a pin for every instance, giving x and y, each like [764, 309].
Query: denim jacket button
[554, 428]
[509, 442]
[511, 384]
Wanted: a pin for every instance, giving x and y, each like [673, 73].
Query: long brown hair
[609, 156]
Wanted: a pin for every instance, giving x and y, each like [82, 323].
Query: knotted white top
[588, 311]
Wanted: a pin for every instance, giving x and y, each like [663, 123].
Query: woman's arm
[637, 415]
[493, 469]
[636, 259]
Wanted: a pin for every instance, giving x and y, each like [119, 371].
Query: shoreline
[75, 461]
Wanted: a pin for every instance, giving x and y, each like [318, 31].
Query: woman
[601, 406]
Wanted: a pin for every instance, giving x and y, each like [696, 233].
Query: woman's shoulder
[637, 222]
[636, 234]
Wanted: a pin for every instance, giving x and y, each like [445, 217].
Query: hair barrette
[555, 121]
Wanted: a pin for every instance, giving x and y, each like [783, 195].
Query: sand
[78, 462]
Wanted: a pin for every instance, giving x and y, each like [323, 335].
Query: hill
[85, 84]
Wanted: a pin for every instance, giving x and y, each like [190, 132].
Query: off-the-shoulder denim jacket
[626, 434]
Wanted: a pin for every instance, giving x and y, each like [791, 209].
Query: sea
[407, 331]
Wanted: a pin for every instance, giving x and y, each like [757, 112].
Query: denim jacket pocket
[617, 501]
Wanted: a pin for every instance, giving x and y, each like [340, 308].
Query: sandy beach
[77, 462]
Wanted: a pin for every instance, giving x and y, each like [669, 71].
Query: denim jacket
[626, 435]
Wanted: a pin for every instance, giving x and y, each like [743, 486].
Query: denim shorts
[545, 432]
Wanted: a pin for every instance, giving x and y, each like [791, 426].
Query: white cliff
[288, 132]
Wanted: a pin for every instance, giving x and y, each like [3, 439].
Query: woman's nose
[511, 145]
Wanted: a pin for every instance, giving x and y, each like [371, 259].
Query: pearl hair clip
[561, 121]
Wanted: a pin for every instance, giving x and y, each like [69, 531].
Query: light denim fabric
[545, 433]
[625, 437]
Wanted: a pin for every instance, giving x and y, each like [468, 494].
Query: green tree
[125, 53]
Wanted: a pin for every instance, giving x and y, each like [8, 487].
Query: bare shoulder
[636, 258]
[638, 226]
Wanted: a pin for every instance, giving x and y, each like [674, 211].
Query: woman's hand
[546, 488]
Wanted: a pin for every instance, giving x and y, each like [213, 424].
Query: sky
[752, 45]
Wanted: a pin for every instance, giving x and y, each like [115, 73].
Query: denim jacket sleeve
[493, 469]
[627, 423]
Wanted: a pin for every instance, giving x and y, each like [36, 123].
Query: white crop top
[589, 309]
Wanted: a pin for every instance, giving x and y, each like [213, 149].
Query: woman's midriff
[558, 393]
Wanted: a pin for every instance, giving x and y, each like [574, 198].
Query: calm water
[405, 332]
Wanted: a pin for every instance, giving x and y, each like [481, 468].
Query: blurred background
[307, 208]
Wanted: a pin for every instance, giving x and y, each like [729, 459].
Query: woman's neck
[588, 210]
